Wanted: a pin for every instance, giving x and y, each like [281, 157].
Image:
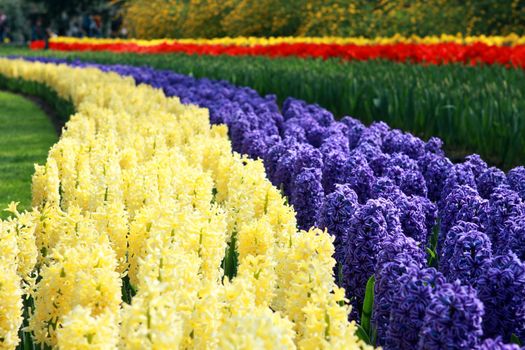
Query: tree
[56, 7]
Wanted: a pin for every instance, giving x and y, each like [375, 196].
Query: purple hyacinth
[337, 129]
[396, 141]
[377, 160]
[393, 141]
[402, 161]
[284, 155]
[306, 156]
[431, 213]
[241, 124]
[335, 142]
[268, 122]
[373, 135]
[399, 244]
[271, 161]
[384, 187]
[502, 290]
[434, 145]
[358, 175]
[512, 237]
[435, 169]
[462, 204]
[256, 144]
[313, 131]
[386, 286]
[469, 254]
[417, 214]
[516, 179]
[370, 226]
[489, 180]
[451, 236]
[412, 217]
[380, 128]
[323, 116]
[413, 183]
[408, 307]
[296, 132]
[459, 175]
[355, 128]
[334, 168]
[307, 197]
[395, 173]
[497, 344]
[477, 165]
[336, 213]
[452, 319]
[399, 255]
[292, 108]
[504, 204]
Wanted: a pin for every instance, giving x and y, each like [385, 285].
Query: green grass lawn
[26, 134]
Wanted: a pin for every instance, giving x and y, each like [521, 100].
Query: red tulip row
[442, 53]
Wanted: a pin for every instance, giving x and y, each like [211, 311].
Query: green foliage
[231, 258]
[366, 331]
[433, 258]
[493, 17]
[369, 18]
[514, 339]
[368, 306]
[473, 109]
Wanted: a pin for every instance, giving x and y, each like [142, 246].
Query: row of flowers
[439, 52]
[444, 241]
[508, 40]
[148, 232]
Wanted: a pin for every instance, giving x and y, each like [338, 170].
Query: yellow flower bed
[512, 39]
[143, 186]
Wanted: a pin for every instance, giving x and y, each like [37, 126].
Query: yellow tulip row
[511, 40]
[142, 186]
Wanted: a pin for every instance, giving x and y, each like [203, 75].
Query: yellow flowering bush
[141, 188]
[369, 18]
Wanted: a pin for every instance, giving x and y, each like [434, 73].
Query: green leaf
[231, 258]
[373, 339]
[361, 334]
[515, 340]
[431, 253]
[433, 259]
[339, 274]
[368, 305]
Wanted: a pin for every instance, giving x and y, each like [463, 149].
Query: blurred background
[23, 20]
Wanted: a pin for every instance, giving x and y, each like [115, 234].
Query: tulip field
[271, 193]
[507, 50]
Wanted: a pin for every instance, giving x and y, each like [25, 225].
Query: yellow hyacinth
[10, 307]
[81, 330]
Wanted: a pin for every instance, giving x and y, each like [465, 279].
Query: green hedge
[473, 109]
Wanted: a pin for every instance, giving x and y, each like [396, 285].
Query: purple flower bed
[391, 200]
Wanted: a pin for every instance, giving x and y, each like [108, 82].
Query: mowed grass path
[26, 134]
